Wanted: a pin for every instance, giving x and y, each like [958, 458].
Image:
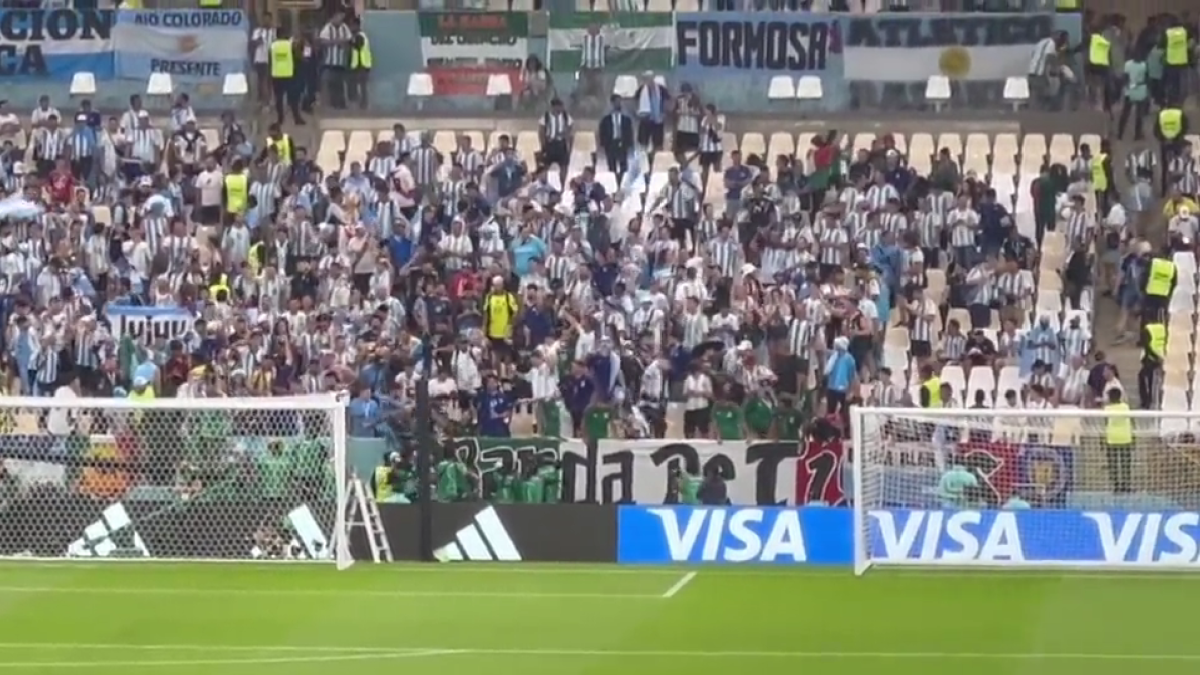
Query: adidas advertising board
[50, 522]
[480, 532]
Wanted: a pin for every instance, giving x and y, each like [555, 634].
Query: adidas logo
[111, 536]
[484, 539]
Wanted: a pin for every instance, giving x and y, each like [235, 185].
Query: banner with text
[632, 42]
[895, 54]
[147, 324]
[825, 536]
[54, 44]
[787, 44]
[461, 50]
[191, 45]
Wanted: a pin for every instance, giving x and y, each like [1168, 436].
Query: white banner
[144, 324]
[638, 471]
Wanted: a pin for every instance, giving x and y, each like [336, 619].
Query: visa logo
[946, 535]
[1149, 537]
[732, 535]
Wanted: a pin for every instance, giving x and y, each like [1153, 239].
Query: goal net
[173, 479]
[1019, 487]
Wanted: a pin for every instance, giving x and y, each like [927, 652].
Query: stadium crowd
[671, 283]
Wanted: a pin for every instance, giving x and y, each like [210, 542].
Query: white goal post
[1025, 488]
[190, 479]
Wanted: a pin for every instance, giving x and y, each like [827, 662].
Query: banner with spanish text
[54, 44]
[192, 45]
[733, 43]
[633, 42]
[462, 49]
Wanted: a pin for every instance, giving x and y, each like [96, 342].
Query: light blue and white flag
[191, 45]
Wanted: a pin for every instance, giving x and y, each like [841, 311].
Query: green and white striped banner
[634, 42]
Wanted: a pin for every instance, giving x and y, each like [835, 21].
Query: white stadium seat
[781, 88]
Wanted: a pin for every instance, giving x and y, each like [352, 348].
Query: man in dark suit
[616, 138]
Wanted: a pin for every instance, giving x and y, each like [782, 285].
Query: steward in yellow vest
[1154, 350]
[360, 66]
[1170, 129]
[284, 56]
[1177, 55]
[1161, 278]
[237, 189]
[1118, 441]
[282, 144]
[1066, 6]
[931, 389]
[1099, 68]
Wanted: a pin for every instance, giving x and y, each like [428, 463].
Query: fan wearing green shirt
[452, 483]
[682, 487]
[787, 422]
[955, 486]
[728, 418]
[502, 486]
[759, 413]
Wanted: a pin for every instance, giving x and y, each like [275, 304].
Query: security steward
[360, 65]
[1154, 347]
[1170, 130]
[1066, 6]
[1118, 442]
[1102, 176]
[931, 388]
[236, 195]
[285, 54]
[1161, 278]
[281, 142]
[1176, 59]
[385, 481]
[1099, 68]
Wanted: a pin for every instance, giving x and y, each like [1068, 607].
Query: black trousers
[335, 85]
[555, 152]
[617, 159]
[1120, 467]
[357, 86]
[285, 90]
[1139, 109]
[1149, 383]
[696, 423]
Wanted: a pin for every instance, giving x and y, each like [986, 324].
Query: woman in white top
[697, 414]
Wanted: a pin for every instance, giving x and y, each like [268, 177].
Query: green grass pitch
[110, 619]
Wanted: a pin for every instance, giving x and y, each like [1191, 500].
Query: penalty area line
[300, 592]
[244, 661]
[679, 585]
[368, 653]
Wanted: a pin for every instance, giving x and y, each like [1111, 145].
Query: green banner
[462, 49]
[633, 42]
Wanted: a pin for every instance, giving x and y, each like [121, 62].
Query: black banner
[482, 532]
[51, 522]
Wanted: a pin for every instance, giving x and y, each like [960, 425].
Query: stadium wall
[732, 56]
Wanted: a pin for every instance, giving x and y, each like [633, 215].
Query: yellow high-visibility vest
[211, 3]
[1170, 123]
[361, 58]
[283, 146]
[934, 386]
[133, 4]
[1157, 346]
[1066, 5]
[1099, 178]
[237, 189]
[1098, 50]
[383, 489]
[282, 59]
[1177, 47]
[221, 284]
[1120, 427]
[1161, 273]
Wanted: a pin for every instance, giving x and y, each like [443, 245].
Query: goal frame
[333, 404]
[862, 559]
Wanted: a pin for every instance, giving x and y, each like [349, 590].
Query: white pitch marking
[94, 590]
[683, 581]
[399, 652]
[782, 572]
[188, 663]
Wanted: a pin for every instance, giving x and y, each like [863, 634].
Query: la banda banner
[54, 44]
[462, 50]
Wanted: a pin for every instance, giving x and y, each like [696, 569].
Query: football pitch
[554, 619]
